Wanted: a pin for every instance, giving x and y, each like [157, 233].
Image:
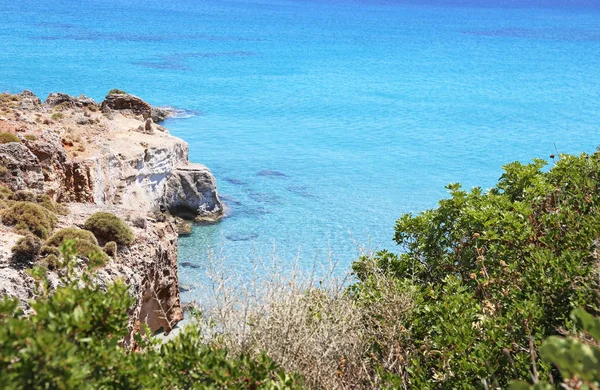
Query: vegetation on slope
[496, 273]
[109, 227]
[74, 340]
[479, 297]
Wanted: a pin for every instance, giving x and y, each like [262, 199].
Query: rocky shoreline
[114, 157]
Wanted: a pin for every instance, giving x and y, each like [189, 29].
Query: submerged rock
[187, 264]
[237, 182]
[300, 190]
[241, 236]
[271, 173]
[264, 197]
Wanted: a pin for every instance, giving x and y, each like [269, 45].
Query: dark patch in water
[241, 236]
[300, 190]
[160, 65]
[271, 173]
[237, 182]
[177, 61]
[187, 264]
[84, 34]
[184, 288]
[60, 26]
[230, 200]
[545, 33]
[254, 211]
[264, 197]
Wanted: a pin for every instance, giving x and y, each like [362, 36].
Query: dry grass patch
[313, 326]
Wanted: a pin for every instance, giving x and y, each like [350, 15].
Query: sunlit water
[324, 121]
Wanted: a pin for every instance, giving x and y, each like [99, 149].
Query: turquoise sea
[324, 121]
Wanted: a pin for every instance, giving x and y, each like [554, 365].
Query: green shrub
[47, 202]
[86, 244]
[74, 339]
[26, 249]
[57, 116]
[497, 272]
[5, 193]
[577, 357]
[30, 137]
[116, 92]
[8, 137]
[47, 250]
[23, 196]
[109, 227]
[3, 171]
[43, 200]
[51, 261]
[71, 233]
[111, 248]
[31, 217]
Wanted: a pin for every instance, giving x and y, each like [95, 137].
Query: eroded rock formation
[94, 157]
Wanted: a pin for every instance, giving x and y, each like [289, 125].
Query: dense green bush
[5, 192]
[30, 217]
[111, 248]
[71, 233]
[3, 170]
[109, 227]
[116, 92]
[577, 357]
[497, 272]
[26, 249]
[74, 340]
[8, 137]
[86, 244]
[42, 199]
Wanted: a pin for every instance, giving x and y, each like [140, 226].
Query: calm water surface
[324, 121]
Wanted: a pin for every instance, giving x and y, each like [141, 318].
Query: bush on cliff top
[86, 244]
[5, 193]
[30, 217]
[42, 199]
[116, 92]
[74, 339]
[8, 137]
[109, 227]
[26, 249]
[71, 233]
[496, 273]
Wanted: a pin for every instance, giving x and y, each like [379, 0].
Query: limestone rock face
[28, 101]
[191, 193]
[25, 172]
[159, 114]
[125, 101]
[148, 267]
[54, 99]
[104, 163]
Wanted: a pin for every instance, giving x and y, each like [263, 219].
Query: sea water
[324, 121]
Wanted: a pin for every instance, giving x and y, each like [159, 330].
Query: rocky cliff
[106, 157]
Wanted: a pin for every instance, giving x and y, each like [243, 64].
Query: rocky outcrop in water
[189, 193]
[93, 157]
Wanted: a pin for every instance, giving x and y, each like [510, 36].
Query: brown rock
[125, 101]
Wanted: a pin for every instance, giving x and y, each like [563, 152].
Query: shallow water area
[324, 121]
